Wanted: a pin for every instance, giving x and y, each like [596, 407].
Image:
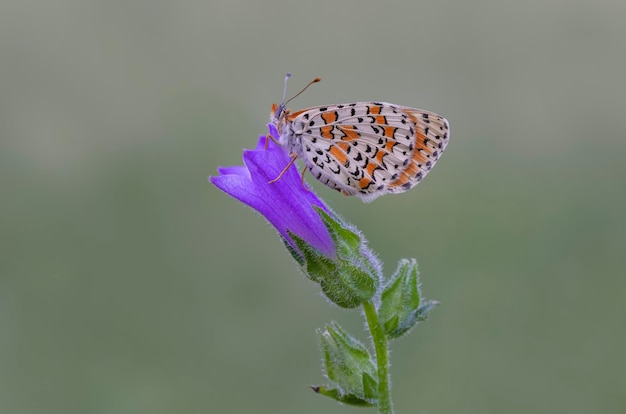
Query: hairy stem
[385, 405]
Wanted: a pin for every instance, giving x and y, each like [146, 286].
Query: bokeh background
[128, 284]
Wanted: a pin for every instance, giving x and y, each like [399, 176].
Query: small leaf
[401, 295]
[400, 307]
[392, 324]
[418, 316]
[424, 310]
[347, 363]
[335, 394]
[370, 387]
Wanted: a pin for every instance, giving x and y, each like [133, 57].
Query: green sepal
[350, 278]
[316, 265]
[335, 394]
[400, 308]
[294, 253]
[347, 242]
[348, 365]
[350, 245]
[349, 286]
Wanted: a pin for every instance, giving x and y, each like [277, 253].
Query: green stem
[382, 358]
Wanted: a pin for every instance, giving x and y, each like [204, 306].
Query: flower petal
[236, 169]
[286, 203]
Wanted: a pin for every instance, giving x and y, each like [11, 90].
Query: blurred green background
[128, 284]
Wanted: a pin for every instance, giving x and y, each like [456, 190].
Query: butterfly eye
[279, 111]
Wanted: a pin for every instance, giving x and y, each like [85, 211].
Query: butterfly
[365, 149]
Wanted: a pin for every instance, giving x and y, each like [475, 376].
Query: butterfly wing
[369, 149]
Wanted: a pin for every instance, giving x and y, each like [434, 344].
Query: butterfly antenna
[287, 76]
[303, 89]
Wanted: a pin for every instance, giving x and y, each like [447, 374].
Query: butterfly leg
[268, 137]
[293, 159]
[302, 177]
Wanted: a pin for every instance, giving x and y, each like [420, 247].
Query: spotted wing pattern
[368, 149]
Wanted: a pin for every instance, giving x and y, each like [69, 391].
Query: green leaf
[370, 387]
[335, 394]
[424, 310]
[392, 324]
[348, 364]
[401, 295]
[400, 308]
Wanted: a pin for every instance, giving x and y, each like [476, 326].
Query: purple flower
[286, 203]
